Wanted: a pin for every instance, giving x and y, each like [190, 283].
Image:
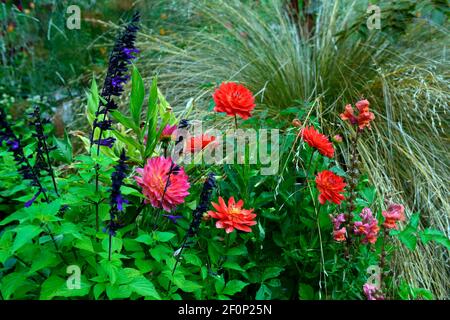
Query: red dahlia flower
[157, 190]
[199, 143]
[330, 187]
[232, 216]
[317, 140]
[234, 99]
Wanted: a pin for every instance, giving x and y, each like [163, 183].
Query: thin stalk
[50, 167]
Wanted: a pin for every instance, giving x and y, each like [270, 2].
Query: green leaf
[84, 243]
[64, 149]
[125, 121]
[123, 291]
[57, 287]
[161, 252]
[271, 272]
[233, 265]
[408, 235]
[44, 260]
[193, 259]
[234, 286]
[264, 293]
[144, 287]
[137, 96]
[11, 283]
[305, 292]
[435, 235]
[187, 285]
[219, 285]
[163, 236]
[145, 238]
[152, 117]
[24, 234]
[116, 244]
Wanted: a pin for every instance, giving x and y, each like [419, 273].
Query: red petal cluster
[330, 187]
[317, 140]
[232, 216]
[364, 116]
[198, 143]
[394, 213]
[234, 99]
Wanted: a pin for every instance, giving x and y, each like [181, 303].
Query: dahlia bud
[337, 138]
[206, 217]
[296, 123]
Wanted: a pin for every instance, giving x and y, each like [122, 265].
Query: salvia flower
[43, 149]
[330, 186]
[395, 212]
[14, 146]
[172, 218]
[318, 141]
[362, 119]
[232, 216]
[164, 184]
[121, 56]
[367, 227]
[117, 200]
[339, 233]
[205, 198]
[234, 99]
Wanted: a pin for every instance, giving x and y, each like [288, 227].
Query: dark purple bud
[172, 218]
[107, 142]
[30, 202]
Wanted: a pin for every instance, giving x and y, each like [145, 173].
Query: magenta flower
[164, 184]
[368, 226]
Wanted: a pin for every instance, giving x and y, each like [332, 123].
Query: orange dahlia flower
[232, 216]
[234, 99]
[160, 190]
[317, 140]
[199, 143]
[330, 187]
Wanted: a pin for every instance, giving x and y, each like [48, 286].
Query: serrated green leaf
[234, 286]
[144, 287]
[24, 234]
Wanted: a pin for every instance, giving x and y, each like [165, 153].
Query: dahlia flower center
[235, 210]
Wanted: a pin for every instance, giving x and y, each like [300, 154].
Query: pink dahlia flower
[168, 133]
[159, 192]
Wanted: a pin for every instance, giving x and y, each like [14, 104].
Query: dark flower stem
[383, 255]
[353, 177]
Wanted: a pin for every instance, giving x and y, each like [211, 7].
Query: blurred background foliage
[291, 53]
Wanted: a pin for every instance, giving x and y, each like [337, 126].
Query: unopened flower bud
[296, 123]
[337, 138]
